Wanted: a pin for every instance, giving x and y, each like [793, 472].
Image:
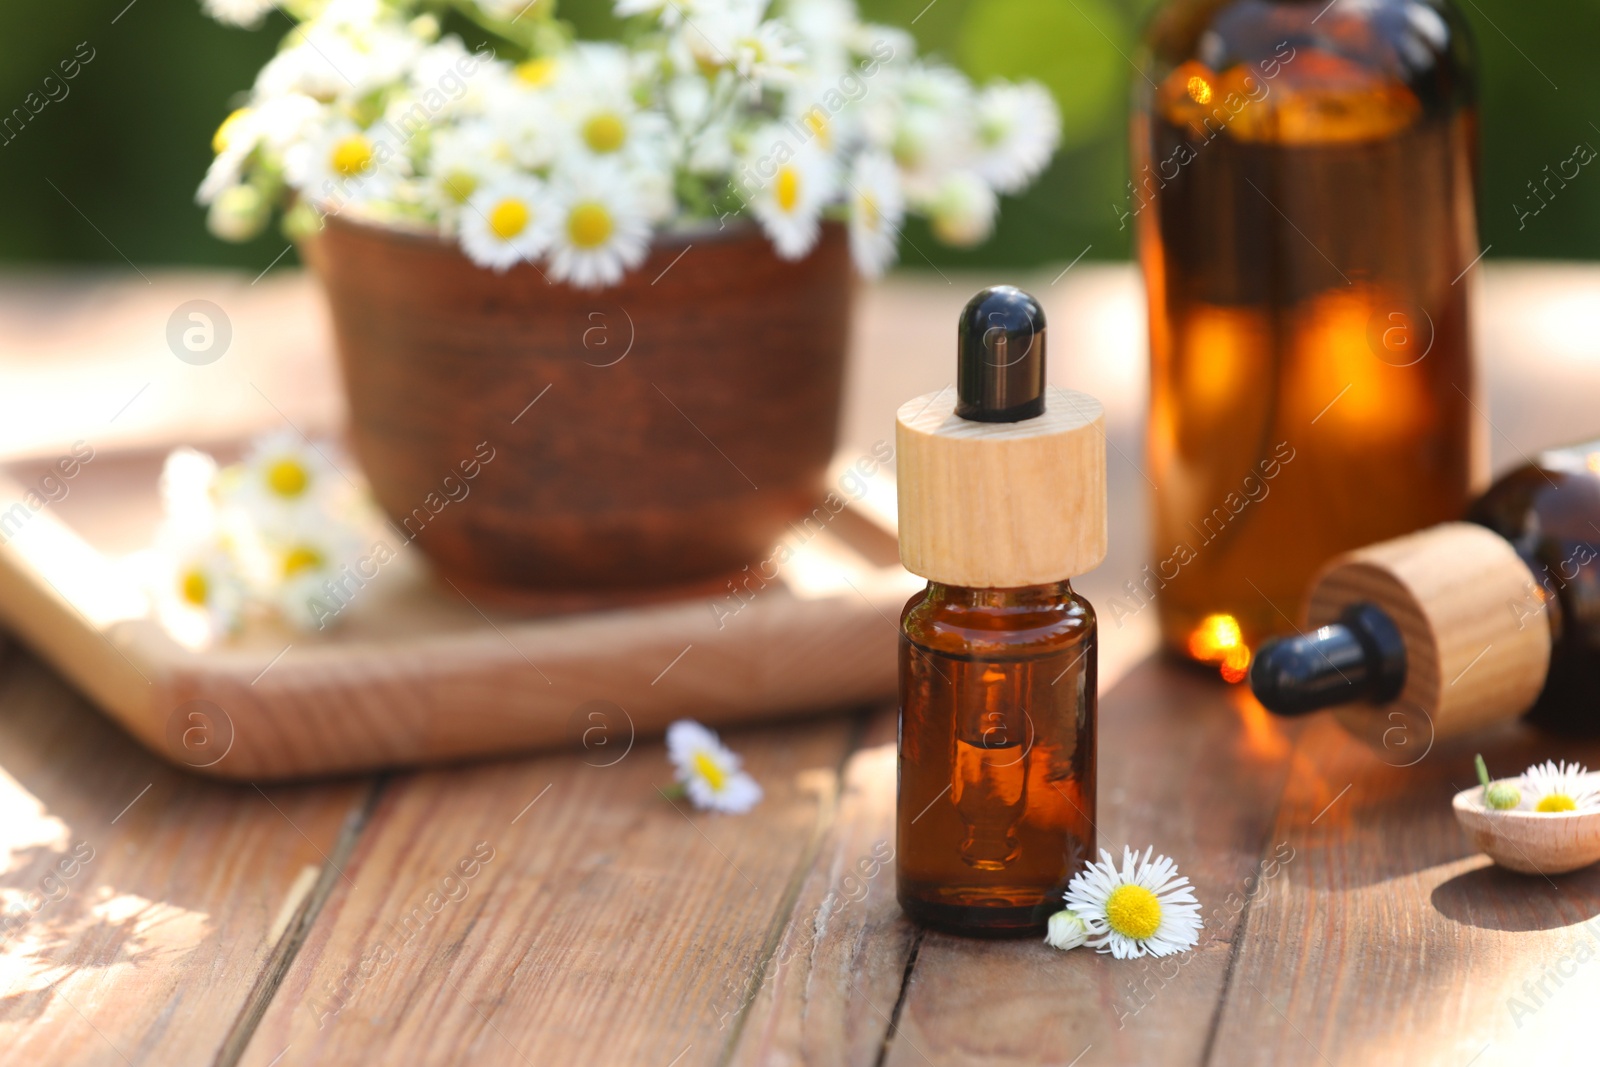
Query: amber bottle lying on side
[1303, 199]
[1463, 624]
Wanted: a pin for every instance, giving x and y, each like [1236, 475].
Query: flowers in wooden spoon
[1557, 787]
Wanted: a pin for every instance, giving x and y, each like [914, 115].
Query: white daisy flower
[508, 222]
[346, 163]
[281, 479]
[708, 770]
[461, 160]
[962, 209]
[1145, 909]
[876, 210]
[1018, 129]
[668, 12]
[601, 229]
[528, 125]
[1066, 930]
[787, 188]
[238, 213]
[188, 489]
[307, 582]
[733, 36]
[247, 13]
[206, 585]
[1555, 787]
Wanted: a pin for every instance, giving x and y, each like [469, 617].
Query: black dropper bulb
[1000, 357]
[1360, 657]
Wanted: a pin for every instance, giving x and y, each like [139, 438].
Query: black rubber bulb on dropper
[1360, 657]
[1000, 357]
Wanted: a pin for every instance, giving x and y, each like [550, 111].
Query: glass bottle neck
[1026, 596]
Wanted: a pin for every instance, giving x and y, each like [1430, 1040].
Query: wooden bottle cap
[996, 505]
[1476, 633]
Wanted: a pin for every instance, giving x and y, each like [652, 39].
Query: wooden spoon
[1531, 842]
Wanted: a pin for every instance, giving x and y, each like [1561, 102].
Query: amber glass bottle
[1303, 196]
[1001, 501]
[996, 754]
[1528, 640]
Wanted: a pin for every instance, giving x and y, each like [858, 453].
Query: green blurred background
[130, 143]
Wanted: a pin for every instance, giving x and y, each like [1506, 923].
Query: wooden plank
[601, 922]
[826, 992]
[1388, 939]
[1188, 766]
[418, 671]
[142, 905]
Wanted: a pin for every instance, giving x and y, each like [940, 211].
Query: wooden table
[553, 910]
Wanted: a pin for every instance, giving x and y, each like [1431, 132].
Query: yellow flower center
[589, 225]
[871, 217]
[352, 155]
[300, 558]
[220, 139]
[787, 190]
[460, 185]
[1199, 90]
[1133, 911]
[709, 770]
[287, 478]
[817, 123]
[508, 218]
[605, 132]
[196, 589]
[536, 72]
[1557, 802]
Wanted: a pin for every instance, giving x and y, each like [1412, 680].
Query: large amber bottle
[1303, 196]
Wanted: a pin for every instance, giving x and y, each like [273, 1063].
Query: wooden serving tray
[421, 671]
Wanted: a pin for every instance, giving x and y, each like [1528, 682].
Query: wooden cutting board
[422, 671]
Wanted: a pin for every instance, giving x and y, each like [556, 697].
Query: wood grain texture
[1388, 939]
[1476, 633]
[607, 927]
[1001, 504]
[1187, 766]
[142, 905]
[827, 992]
[419, 670]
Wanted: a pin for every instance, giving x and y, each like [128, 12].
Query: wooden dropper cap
[1003, 483]
[1448, 621]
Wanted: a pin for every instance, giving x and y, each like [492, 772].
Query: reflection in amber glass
[1302, 233]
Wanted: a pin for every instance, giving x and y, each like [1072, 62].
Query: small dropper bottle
[1001, 501]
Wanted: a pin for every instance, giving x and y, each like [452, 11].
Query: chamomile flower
[668, 12]
[601, 229]
[1018, 128]
[1144, 909]
[1065, 930]
[528, 125]
[205, 583]
[962, 209]
[507, 223]
[463, 159]
[1557, 787]
[347, 163]
[709, 771]
[281, 479]
[248, 13]
[790, 188]
[306, 579]
[876, 210]
[238, 214]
